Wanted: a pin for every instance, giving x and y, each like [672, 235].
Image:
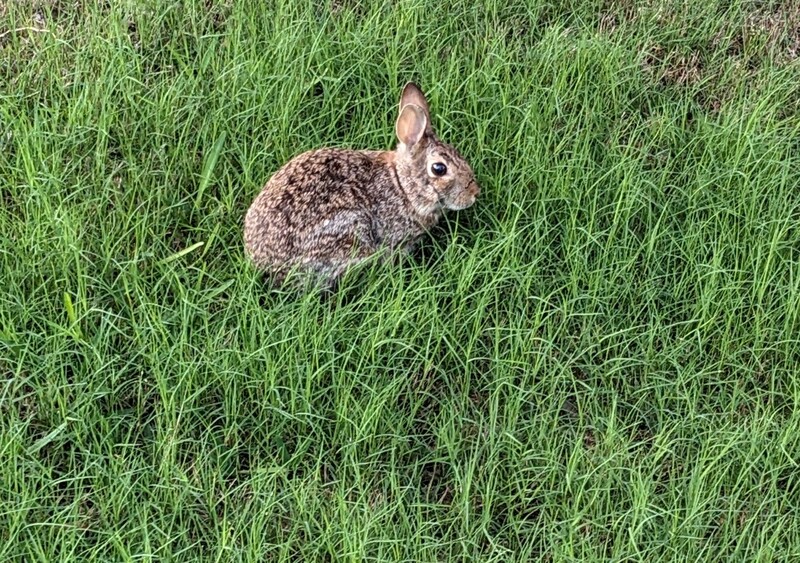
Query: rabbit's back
[322, 207]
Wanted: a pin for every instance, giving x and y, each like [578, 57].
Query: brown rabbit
[327, 209]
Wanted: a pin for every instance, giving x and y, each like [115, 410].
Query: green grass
[598, 361]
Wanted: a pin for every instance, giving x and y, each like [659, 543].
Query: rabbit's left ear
[414, 96]
[411, 125]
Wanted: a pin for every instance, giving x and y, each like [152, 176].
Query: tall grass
[596, 362]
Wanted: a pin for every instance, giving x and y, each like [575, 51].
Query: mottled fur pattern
[327, 209]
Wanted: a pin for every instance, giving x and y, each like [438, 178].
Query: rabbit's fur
[327, 209]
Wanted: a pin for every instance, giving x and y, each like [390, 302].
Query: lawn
[598, 361]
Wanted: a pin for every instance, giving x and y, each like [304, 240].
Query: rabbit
[328, 209]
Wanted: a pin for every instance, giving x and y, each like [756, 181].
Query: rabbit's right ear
[411, 125]
[414, 96]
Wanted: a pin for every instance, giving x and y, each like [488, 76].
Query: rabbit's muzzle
[474, 190]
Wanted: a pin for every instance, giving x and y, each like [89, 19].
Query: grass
[598, 361]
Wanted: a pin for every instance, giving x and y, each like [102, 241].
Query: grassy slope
[598, 360]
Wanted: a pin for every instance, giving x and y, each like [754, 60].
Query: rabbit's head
[428, 168]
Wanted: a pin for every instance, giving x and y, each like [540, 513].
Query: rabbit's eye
[438, 169]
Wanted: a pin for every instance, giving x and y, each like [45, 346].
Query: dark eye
[439, 169]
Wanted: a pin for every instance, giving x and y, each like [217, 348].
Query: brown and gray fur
[328, 209]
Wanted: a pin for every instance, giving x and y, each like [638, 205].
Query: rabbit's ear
[413, 95]
[411, 124]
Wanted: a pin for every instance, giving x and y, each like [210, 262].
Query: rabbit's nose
[474, 188]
